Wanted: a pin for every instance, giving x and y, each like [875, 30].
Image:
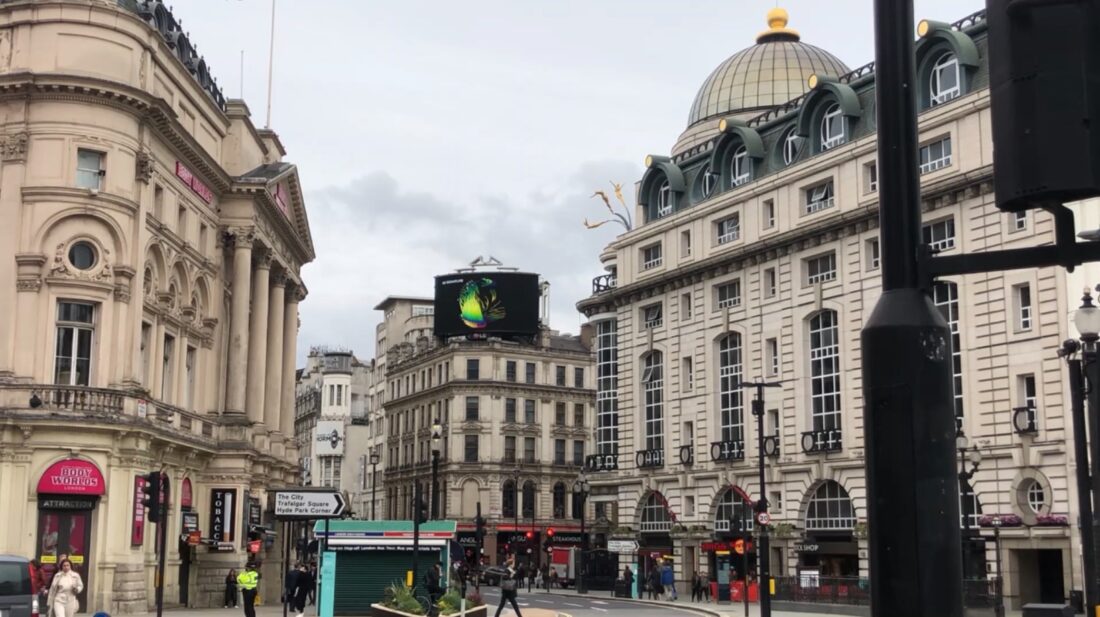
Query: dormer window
[741, 168]
[710, 182]
[944, 80]
[792, 144]
[664, 199]
[832, 128]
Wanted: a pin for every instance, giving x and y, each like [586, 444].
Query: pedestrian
[532, 572]
[656, 590]
[313, 586]
[248, 581]
[432, 580]
[696, 587]
[231, 588]
[668, 580]
[38, 582]
[508, 586]
[64, 588]
[304, 585]
[290, 583]
[553, 579]
[628, 576]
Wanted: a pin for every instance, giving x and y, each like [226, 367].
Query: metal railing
[604, 282]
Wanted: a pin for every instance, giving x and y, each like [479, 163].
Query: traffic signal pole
[162, 541]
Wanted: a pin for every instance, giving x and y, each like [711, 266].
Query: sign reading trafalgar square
[305, 504]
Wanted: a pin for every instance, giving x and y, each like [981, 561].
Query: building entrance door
[66, 533]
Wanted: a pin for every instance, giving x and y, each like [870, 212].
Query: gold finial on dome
[777, 28]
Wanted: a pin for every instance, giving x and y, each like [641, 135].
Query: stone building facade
[149, 292]
[756, 256]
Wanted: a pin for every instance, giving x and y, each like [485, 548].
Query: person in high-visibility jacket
[248, 581]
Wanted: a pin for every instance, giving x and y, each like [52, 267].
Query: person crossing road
[248, 581]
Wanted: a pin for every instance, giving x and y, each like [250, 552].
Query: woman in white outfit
[63, 590]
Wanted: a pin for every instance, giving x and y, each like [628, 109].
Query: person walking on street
[696, 587]
[248, 581]
[313, 584]
[628, 576]
[290, 583]
[231, 588]
[655, 588]
[64, 588]
[668, 580]
[303, 586]
[509, 585]
[432, 580]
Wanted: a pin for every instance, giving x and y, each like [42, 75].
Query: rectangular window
[167, 366]
[939, 235]
[729, 229]
[727, 294]
[651, 256]
[819, 197]
[685, 306]
[473, 369]
[578, 453]
[767, 214]
[687, 375]
[419, 310]
[529, 411]
[651, 317]
[578, 377]
[529, 449]
[510, 370]
[559, 375]
[773, 422]
[472, 407]
[559, 414]
[89, 169]
[203, 233]
[870, 177]
[339, 396]
[607, 384]
[821, 269]
[471, 449]
[73, 351]
[1019, 221]
[509, 449]
[578, 415]
[158, 202]
[181, 223]
[873, 257]
[769, 283]
[685, 243]
[1028, 393]
[559, 451]
[509, 410]
[529, 372]
[833, 129]
[1022, 295]
[771, 356]
[776, 505]
[935, 155]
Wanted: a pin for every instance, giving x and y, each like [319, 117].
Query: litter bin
[1048, 610]
[1077, 600]
[622, 589]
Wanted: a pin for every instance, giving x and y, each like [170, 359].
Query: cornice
[78, 196]
[460, 387]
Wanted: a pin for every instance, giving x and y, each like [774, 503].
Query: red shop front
[68, 493]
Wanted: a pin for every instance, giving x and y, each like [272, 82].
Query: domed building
[755, 255]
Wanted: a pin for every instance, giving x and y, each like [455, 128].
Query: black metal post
[321, 563]
[965, 517]
[435, 485]
[1084, 492]
[416, 530]
[999, 600]
[763, 553]
[286, 567]
[1091, 366]
[909, 418]
[747, 536]
[162, 542]
[480, 547]
[581, 586]
[373, 490]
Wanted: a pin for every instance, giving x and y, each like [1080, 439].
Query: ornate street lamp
[966, 490]
[437, 440]
[581, 489]
[374, 458]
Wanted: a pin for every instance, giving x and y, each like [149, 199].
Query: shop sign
[806, 547]
[190, 521]
[137, 527]
[561, 537]
[193, 183]
[194, 538]
[65, 503]
[280, 200]
[222, 547]
[186, 496]
[72, 477]
[254, 512]
[467, 539]
[223, 503]
[738, 546]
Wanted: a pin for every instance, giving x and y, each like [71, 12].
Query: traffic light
[420, 510]
[530, 535]
[479, 522]
[150, 492]
[550, 533]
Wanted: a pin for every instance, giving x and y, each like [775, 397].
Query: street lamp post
[999, 599]
[966, 491]
[580, 492]
[373, 483]
[764, 558]
[437, 439]
[515, 509]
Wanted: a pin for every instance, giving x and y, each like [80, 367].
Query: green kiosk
[363, 558]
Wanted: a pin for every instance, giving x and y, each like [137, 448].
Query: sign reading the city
[622, 546]
[223, 502]
[304, 504]
[72, 477]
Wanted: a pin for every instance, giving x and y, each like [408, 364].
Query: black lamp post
[580, 492]
[515, 511]
[999, 598]
[437, 440]
[966, 491]
[373, 483]
[762, 517]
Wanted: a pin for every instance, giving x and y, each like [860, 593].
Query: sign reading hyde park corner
[305, 504]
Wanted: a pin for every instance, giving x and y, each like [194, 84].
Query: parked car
[491, 575]
[18, 596]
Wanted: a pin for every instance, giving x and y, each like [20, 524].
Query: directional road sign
[622, 546]
[305, 504]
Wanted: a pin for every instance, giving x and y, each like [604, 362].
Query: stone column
[257, 338]
[290, 350]
[238, 321]
[274, 377]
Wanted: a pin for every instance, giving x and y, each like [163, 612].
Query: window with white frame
[529, 411]
[970, 507]
[870, 174]
[685, 243]
[731, 407]
[729, 229]
[832, 128]
[727, 294]
[935, 155]
[770, 286]
[470, 447]
[873, 256]
[607, 387]
[654, 390]
[1036, 496]
[655, 518]
[943, 82]
[73, 348]
[945, 295]
[89, 169]
[685, 306]
[1019, 220]
[821, 269]
[422, 309]
[830, 508]
[651, 316]
[651, 256]
[687, 375]
[1028, 394]
[740, 167]
[732, 512]
[664, 199]
[767, 213]
[825, 371]
[792, 146]
[819, 197]
[509, 410]
[710, 182]
[771, 356]
[1022, 294]
[939, 235]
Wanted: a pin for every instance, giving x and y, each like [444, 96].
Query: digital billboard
[488, 303]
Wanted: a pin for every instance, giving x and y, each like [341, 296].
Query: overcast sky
[430, 132]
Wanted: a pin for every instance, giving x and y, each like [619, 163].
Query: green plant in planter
[400, 596]
[860, 529]
[783, 530]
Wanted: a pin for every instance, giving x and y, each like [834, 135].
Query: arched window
[529, 499]
[792, 145]
[970, 509]
[946, 297]
[731, 405]
[559, 500]
[653, 386]
[833, 131]
[830, 508]
[710, 182]
[740, 167]
[732, 513]
[655, 518]
[664, 199]
[943, 81]
[508, 501]
[825, 371]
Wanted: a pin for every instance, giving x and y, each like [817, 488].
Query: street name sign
[302, 504]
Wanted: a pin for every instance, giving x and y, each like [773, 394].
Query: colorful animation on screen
[478, 303]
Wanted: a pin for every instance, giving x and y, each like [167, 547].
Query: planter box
[377, 610]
